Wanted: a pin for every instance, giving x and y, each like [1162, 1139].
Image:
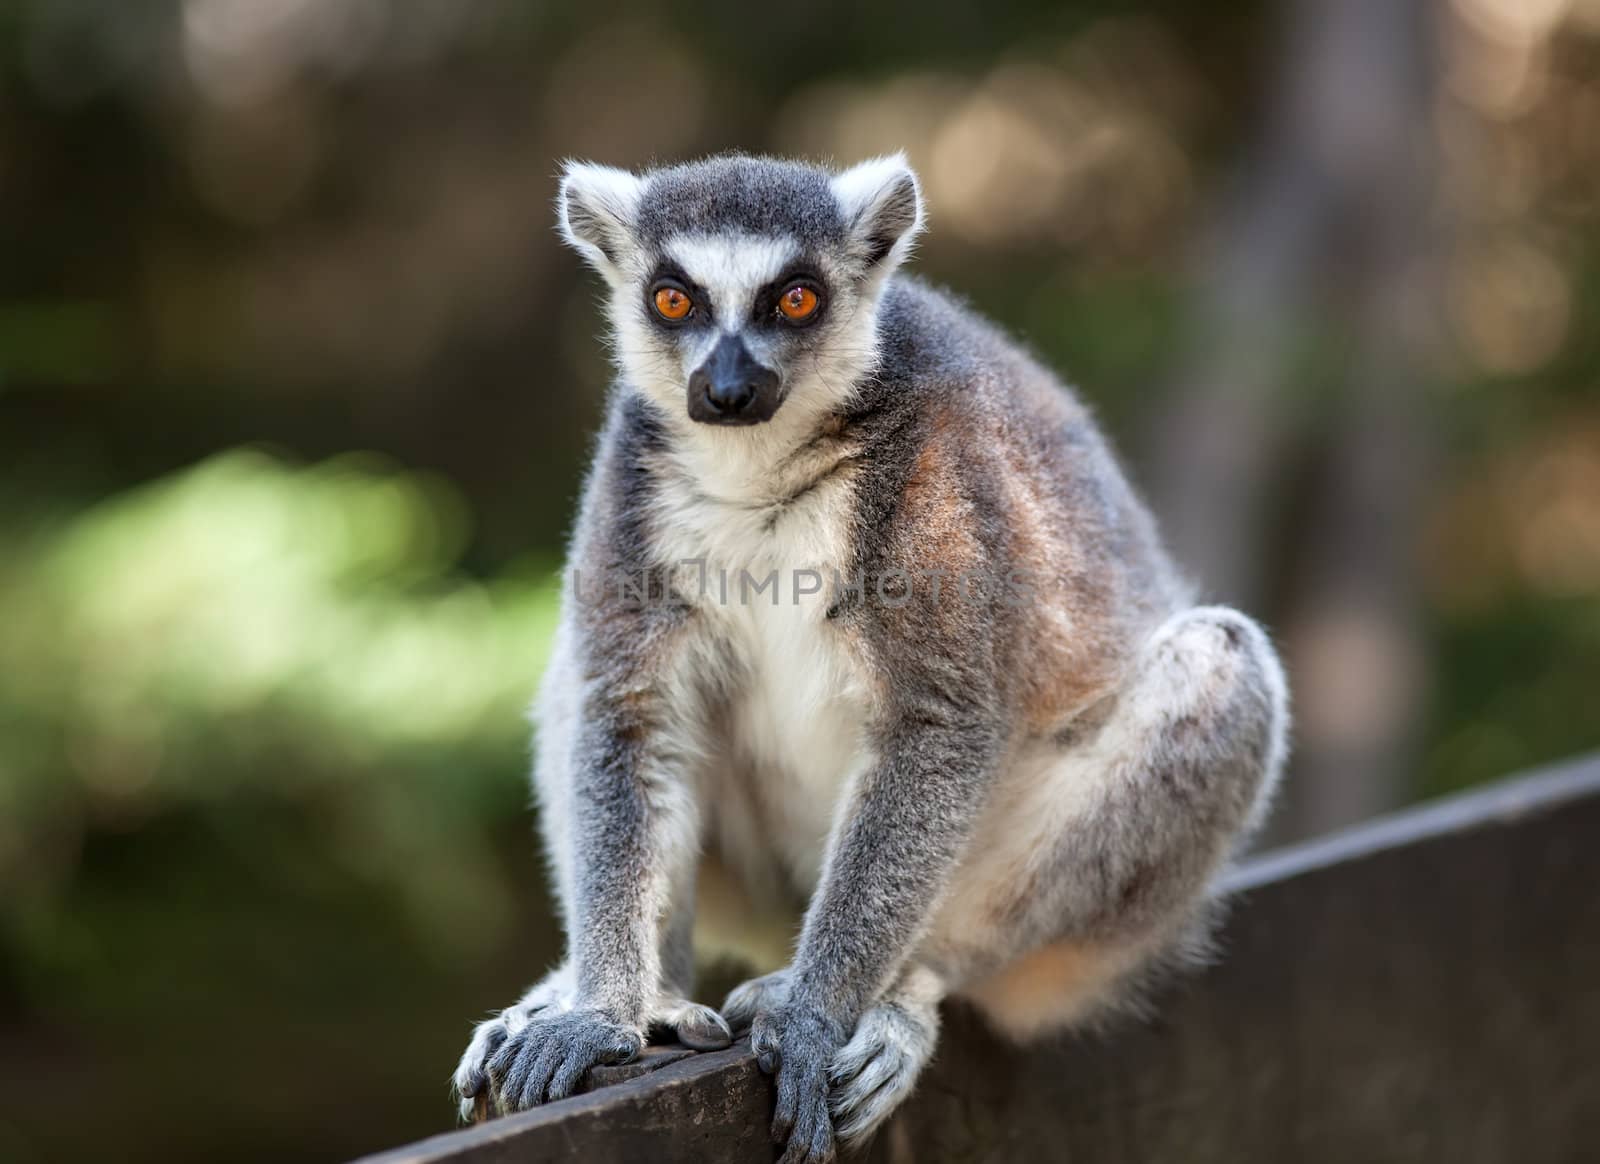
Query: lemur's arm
[622, 826]
[621, 817]
[890, 857]
[632, 824]
[632, 820]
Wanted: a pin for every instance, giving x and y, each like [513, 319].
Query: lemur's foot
[695, 1026]
[750, 998]
[877, 1068]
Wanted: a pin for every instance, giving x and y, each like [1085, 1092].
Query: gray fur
[1017, 788]
[735, 193]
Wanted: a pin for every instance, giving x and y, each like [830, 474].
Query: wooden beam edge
[1506, 801]
[1502, 804]
[714, 1068]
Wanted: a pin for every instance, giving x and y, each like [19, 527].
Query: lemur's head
[740, 284]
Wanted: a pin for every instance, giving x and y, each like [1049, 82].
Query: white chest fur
[790, 732]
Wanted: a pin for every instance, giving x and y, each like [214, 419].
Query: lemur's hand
[538, 1049]
[798, 1042]
[546, 1059]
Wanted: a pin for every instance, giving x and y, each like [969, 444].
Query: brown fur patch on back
[1068, 641]
[937, 519]
[1066, 654]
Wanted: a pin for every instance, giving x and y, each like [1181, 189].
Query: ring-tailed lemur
[860, 608]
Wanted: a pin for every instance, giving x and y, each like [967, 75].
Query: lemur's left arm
[890, 856]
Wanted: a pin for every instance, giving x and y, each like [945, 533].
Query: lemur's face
[741, 285]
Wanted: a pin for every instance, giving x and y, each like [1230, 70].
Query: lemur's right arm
[631, 821]
[631, 824]
[620, 807]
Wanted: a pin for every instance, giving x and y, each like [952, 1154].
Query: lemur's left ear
[597, 208]
[882, 207]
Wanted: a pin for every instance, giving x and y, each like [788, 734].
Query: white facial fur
[876, 199]
[740, 462]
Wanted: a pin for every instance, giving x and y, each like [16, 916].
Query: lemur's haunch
[860, 612]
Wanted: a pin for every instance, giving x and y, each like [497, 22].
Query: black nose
[732, 387]
[729, 396]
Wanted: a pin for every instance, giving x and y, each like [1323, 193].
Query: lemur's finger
[811, 1140]
[472, 1076]
[555, 1052]
[515, 1062]
[783, 1115]
[568, 1075]
[764, 1042]
[625, 1049]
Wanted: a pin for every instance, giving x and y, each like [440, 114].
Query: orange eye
[798, 302]
[673, 303]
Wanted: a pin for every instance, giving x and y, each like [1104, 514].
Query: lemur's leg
[555, 992]
[673, 1015]
[1149, 804]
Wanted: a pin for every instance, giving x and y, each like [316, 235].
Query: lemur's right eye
[672, 303]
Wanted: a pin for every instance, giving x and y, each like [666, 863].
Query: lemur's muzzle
[732, 387]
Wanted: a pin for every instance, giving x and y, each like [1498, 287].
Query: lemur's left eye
[798, 303]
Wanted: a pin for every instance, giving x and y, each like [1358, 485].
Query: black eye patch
[668, 273]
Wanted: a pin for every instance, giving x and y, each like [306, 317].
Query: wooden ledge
[1425, 987]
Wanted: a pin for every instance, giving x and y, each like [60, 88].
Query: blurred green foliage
[263, 741]
[167, 648]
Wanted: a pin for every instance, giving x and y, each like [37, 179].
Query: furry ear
[882, 207]
[596, 209]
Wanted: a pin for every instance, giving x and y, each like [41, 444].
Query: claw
[624, 1050]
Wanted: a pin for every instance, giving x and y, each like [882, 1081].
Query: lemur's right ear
[882, 207]
[596, 208]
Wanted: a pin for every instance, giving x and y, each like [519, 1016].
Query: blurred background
[296, 388]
